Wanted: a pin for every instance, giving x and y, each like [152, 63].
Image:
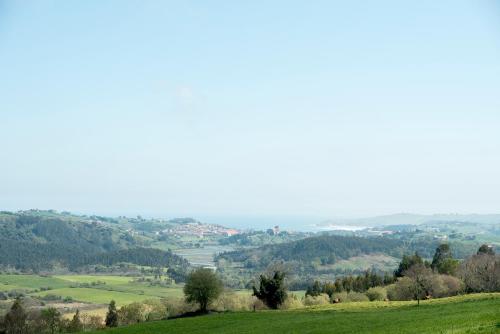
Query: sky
[255, 108]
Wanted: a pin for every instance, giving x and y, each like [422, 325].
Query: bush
[258, 305]
[177, 307]
[230, 301]
[357, 297]
[454, 285]
[292, 302]
[92, 322]
[131, 314]
[155, 310]
[481, 273]
[401, 290]
[346, 297]
[321, 299]
[376, 293]
[51, 297]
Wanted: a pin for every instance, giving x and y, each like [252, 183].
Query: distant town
[199, 229]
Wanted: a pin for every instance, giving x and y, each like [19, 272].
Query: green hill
[478, 313]
[41, 240]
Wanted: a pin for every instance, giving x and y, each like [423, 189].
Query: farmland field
[97, 289]
[478, 313]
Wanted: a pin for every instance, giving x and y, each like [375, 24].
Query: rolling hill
[478, 313]
[42, 240]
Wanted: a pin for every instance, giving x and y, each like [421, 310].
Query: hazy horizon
[299, 110]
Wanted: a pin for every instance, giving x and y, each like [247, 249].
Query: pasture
[478, 313]
[95, 289]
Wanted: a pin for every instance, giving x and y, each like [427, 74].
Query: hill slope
[465, 314]
[39, 240]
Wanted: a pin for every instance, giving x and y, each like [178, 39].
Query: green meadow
[124, 290]
[478, 313]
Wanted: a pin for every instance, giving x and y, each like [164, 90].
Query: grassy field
[465, 314]
[11, 282]
[120, 288]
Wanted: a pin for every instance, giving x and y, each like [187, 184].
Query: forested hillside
[326, 249]
[321, 256]
[41, 240]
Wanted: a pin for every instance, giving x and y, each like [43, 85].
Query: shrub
[357, 297]
[454, 285]
[401, 290]
[131, 314]
[92, 322]
[176, 307]
[230, 301]
[376, 293]
[345, 297]
[258, 304]
[51, 297]
[481, 273]
[155, 310]
[321, 299]
[292, 302]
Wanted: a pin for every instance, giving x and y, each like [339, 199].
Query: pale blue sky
[311, 108]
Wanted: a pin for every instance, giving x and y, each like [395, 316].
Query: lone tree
[419, 276]
[202, 287]
[272, 289]
[112, 315]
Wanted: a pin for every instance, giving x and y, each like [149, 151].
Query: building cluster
[200, 230]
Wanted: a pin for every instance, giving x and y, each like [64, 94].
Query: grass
[96, 296]
[465, 314]
[108, 279]
[120, 288]
[31, 282]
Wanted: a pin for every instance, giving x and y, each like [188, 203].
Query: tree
[376, 293]
[51, 317]
[481, 273]
[112, 315]
[407, 262]
[75, 324]
[202, 287]
[443, 261]
[419, 276]
[272, 289]
[131, 314]
[15, 319]
[314, 290]
[486, 249]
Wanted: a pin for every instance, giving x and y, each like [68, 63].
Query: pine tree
[112, 315]
[15, 319]
[272, 290]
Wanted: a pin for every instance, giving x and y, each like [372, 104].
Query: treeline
[416, 278]
[360, 283]
[151, 257]
[328, 249]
